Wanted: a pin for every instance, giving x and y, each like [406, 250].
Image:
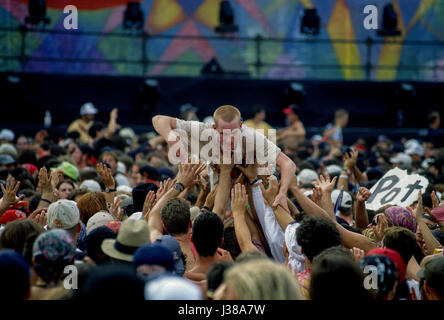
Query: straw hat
[131, 235]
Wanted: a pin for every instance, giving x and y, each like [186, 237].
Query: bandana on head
[54, 245]
[401, 217]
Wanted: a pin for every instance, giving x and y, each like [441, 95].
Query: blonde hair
[226, 113]
[262, 280]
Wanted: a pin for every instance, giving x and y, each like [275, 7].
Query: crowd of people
[104, 212]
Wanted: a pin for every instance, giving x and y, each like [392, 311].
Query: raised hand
[382, 224]
[115, 210]
[250, 171]
[106, 175]
[150, 200]
[363, 194]
[164, 186]
[9, 193]
[316, 196]
[435, 201]
[239, 199]
[350, 162]
[419, 211]
[223, 255]
[56, 176]
[114, 113]
[209, 201]
[39, 216]
[45, 184]
[325, 184]
[272, 191]
[357, 253]
[187, 174]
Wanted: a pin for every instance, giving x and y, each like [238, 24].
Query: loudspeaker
[223, 66]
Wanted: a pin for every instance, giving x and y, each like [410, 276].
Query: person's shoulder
[74, 123]
[265, 124]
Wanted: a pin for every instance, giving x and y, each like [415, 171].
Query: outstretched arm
[287, 168]
[163, 125]
[239, 201]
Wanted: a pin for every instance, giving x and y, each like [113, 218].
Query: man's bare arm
[163, 125]
[223, 191]
[287, 168]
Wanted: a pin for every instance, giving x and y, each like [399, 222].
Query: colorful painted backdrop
[421, 20]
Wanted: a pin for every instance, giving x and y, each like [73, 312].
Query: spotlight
[226, 18]
[389, 22]
[310, 22]
[133, 16]
[37, 12]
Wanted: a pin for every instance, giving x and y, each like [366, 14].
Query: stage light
[226, 18]
[389, 22]
[310, 22]
[133, 16]
[37, 12]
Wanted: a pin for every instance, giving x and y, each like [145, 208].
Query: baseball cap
[433, 273]
[152, 174]
[88, 108]
[91, 185]
[63, 214]
[30, 167]
[291, 109]
[402, 159]
[307, 176]
[395, 257]
[68, 169]
[12, 215]
[7, 134]
[99, 219]
[172, 288]
[346, 198]
[415, 149]
[7, 148]
[166, 173]
[386, 272]
[124, 188]
[173, 245]
[6, 159]
[316, 137]
[333, 169]
[154, 254]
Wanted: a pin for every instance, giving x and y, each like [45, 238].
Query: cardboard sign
[396, 187]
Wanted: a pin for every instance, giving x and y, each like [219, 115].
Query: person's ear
[430, 292]
[214, 126]
[240, 124]
[221, 243]
[79, 227]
